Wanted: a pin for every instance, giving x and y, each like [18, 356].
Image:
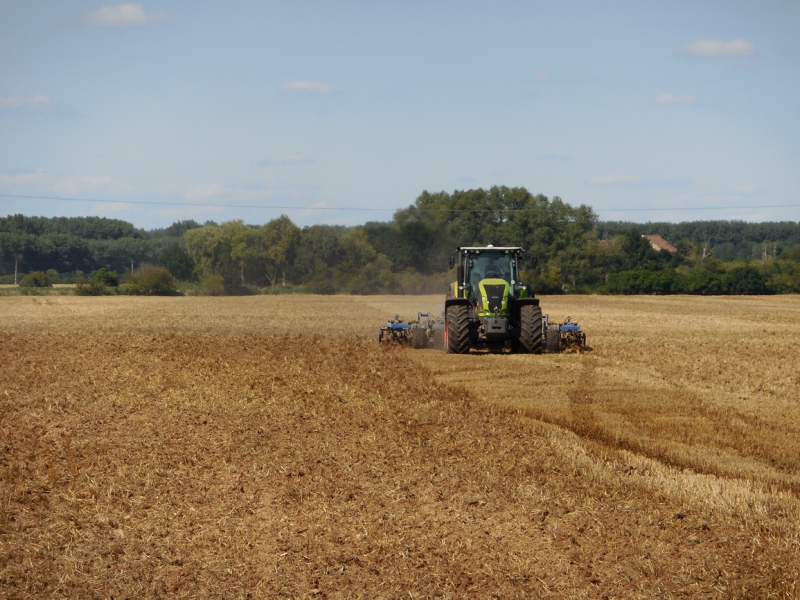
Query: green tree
[357, 250]
[210, 249]
[249, 251]
[319, 249]
[177, 261]
[280, 238]
[13, 247]
[176, 230]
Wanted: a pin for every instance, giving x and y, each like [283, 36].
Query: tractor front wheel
[457, 324]
[530, 329]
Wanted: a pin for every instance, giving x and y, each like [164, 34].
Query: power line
[363, 209]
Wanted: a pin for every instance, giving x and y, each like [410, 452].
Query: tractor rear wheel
[530, 329]
[457, 329]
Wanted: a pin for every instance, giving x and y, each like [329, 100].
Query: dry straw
[266, 447]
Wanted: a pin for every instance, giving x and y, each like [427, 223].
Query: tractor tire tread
[458, 329]
[530, 338]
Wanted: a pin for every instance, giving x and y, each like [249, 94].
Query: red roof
[658, 243]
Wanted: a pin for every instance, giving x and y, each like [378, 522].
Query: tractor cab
[484, 273]
[489, 304]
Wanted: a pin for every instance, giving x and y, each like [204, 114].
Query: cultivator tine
[425, 332]
[566, 336]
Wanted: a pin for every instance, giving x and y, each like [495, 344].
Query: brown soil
[193, 447]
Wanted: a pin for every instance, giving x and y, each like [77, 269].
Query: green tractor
[488, 306]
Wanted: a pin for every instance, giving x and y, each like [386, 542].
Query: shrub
[321, 281]
[745, 280]
[102, 284]
[149, 280]
[90, 288]
[213, 285]
[37, 279]
[106, 278]
[642, 281]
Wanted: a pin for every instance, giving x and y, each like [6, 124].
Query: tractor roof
[504, 249]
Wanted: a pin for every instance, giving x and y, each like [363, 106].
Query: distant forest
[575, 251]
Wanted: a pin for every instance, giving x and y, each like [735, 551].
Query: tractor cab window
[491, 266]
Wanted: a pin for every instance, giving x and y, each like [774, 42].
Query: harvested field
[266, 447]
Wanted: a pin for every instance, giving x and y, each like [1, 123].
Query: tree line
[575, 251]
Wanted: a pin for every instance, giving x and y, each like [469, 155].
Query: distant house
[658, 244]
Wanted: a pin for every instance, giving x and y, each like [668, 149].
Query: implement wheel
[419, 339]
[553, 339]
[530, 326]
[457, 329]
[438, 339]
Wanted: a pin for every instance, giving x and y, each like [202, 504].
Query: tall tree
[281, 237]
[249, 250]
[210, 248]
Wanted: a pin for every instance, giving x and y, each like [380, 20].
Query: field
[266, 447]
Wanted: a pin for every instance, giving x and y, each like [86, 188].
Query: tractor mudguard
[455, 301]
[524, 301]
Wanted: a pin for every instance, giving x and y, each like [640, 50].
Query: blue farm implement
[566, 336]
[428, 331]
[425, 332]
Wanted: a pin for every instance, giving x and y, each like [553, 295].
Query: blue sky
[169, 110]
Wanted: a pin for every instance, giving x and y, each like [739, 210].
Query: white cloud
[122, 15]
[675, 99]
[612, 179]
[21, 179]
[76, 185]
[213, 193]
[622, 180]
[552, 157]
[294, 159]
[43, 182]
[39, 101]
[719, 49]
[314, 87]
[10, 102]
[205, 191]
[746, 189]
[758, 217]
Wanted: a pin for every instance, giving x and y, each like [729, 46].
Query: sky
[342, 112]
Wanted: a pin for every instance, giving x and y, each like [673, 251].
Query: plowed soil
[267, 447]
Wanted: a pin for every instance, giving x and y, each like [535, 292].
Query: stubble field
[266, 447]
